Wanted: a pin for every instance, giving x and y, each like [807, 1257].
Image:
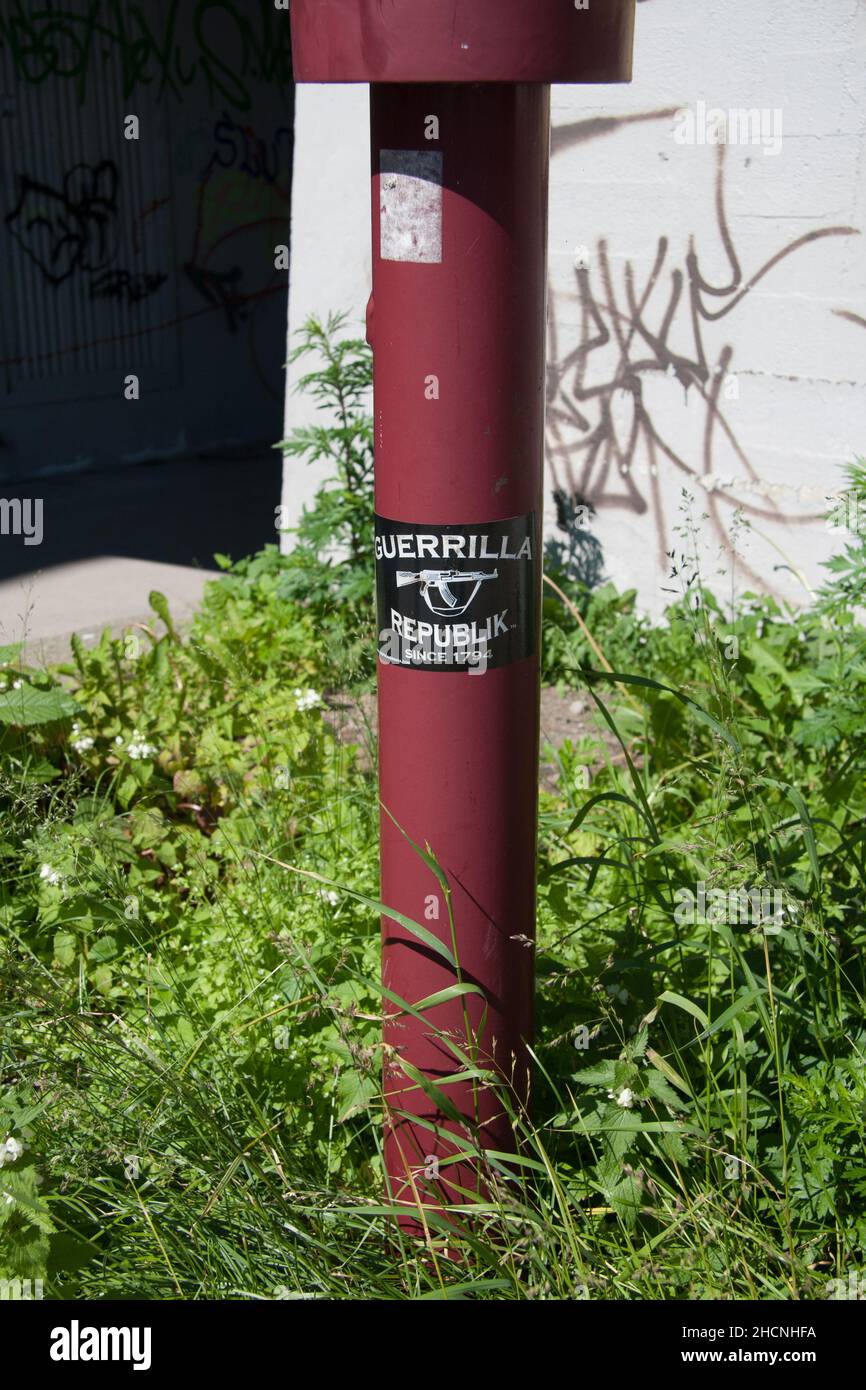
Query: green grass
[190, 1014]
[190, 1043]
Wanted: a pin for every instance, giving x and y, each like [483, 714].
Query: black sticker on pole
[456, 598]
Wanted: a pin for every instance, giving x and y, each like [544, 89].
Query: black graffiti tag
[73, 228]
[602, 433]
[229, 45]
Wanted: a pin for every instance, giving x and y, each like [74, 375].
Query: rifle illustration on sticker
[440, 583]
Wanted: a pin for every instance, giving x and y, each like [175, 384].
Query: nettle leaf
[609, 1172]
[25, 1225]
[29, 706]
[660, 1089]
[625, 1198]
[621, 1129]
[602, 1075]
[672, 1145]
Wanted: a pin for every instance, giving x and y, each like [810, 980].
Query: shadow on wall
[620, 332]
[575, 552]
[179, 512]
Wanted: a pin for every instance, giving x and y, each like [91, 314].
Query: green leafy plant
[333, 551]
[190, 1013]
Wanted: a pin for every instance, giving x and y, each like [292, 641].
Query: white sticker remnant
[411, 206]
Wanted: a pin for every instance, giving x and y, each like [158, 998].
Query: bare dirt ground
[569, 716]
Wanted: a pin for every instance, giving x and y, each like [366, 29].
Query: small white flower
[307, 699]
[140, 750]
[49, 875]
[329, 896]
[11, 1150]
[625, 1098]
[82, 745]
[138, 746]
[16, 685]
[8, 1198]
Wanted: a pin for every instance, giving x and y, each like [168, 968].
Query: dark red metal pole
[458, 340]
[460, 124]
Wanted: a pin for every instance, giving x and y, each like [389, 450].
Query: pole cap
[462, 40]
